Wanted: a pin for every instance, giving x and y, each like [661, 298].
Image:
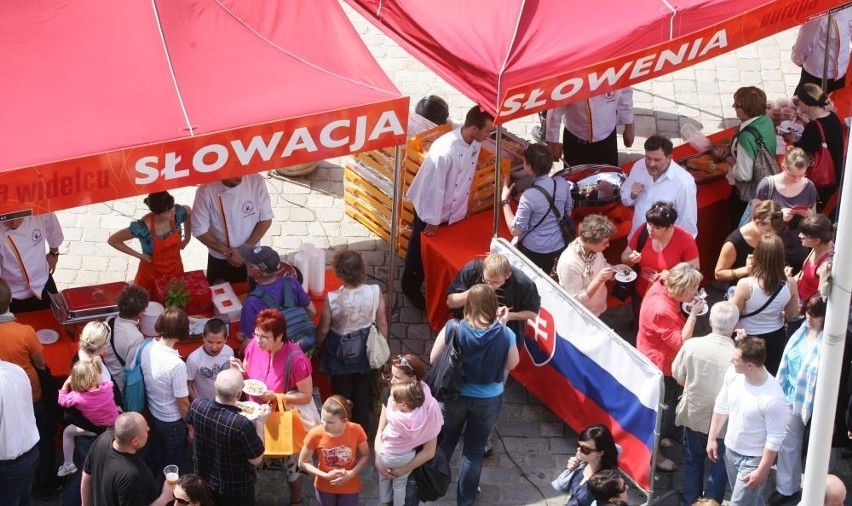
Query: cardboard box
[226, 302]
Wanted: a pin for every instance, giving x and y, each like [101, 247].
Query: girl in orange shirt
[341, 450]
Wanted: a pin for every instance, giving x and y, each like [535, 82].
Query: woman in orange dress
[162, 233]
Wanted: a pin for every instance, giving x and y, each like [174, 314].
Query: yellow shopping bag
[283, 433]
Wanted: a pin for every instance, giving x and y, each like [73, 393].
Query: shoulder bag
[767, 303]
[445, 378]
[378, 351]
[566, 226]
[764, 165]
[821, 172]
[433, 478]
[308, 413]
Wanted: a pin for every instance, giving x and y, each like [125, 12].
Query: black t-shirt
[118, 479]
[518, 293]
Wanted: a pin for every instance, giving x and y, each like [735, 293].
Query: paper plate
[687, 308]
[249, 409]
[47, 336]
[622, 277]
[254, 387]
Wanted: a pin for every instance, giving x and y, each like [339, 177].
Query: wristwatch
[504, 202]
[54, 253]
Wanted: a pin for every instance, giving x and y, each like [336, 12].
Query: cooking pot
[593, 184]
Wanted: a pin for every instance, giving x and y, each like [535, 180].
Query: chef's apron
[165, 257]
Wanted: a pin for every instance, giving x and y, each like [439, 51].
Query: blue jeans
[165, 446]
[16, 478]
[476, 417]
[71, 494]
[694, 456]
[738, 466]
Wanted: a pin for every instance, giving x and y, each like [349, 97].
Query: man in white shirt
[809, 51]
[18, 431]
[227, 214]
[441, 189]
[589, 135]
[25, 264]
[752, 404]
[657, 177]
[205, 362]
[699, 367]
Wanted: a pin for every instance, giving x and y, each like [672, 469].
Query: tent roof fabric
[93, 76]
[522, 52]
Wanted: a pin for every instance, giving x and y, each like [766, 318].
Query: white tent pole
[498, 209]
[394, 231]
[831, 357]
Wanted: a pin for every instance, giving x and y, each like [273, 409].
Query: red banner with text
[195, 160]
[618, 73]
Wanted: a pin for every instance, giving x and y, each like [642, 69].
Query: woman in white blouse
[582, 269]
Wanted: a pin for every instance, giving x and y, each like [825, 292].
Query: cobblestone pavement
[533, 444]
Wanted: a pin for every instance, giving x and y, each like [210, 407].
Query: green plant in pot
[177, 295]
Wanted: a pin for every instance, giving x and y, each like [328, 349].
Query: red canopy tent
[103, 99]
[533, 55]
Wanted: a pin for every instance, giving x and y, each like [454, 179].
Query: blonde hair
[705, 501]
[682, 278]
[796, 158]
[95, 335]
[86, 374]
[408, 393]
[496, 264]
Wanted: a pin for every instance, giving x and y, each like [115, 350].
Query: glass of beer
[172, 474]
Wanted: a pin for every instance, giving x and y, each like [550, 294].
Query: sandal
[666, 465]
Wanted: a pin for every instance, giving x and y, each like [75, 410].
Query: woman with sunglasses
[410, 418]
[489, 350]
[755, 128]
[191, 490]
[268, 355]
[735, 258]
[596, 452]
[162, 234]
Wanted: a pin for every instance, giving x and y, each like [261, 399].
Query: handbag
[283, 432]
[308, 413]
[378, 351]
[821, 172]
[445, 378]
[433, 478]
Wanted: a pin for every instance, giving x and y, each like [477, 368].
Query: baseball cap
[262, 257]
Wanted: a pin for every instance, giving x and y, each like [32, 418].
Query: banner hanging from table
[583, 371]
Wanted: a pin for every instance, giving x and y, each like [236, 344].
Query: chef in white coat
[227, 214]
[29, 251]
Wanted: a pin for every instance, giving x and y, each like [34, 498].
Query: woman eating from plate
[162, 234]
[656, 247]
[735, 258]
[662, 331]
[582, 269]
[268, 355]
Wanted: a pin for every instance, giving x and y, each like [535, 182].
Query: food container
[593, 185]
[225, 302]
[200, 298]
[86, 303]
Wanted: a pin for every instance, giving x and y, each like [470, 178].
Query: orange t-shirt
[336, 452]
[18, 344]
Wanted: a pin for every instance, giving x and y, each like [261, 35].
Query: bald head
[128, 426]
[229, 384]
[835, 491]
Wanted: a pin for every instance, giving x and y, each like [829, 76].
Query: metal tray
[585, 178]
[700, 176]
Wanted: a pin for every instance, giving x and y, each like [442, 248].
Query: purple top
[253, 305]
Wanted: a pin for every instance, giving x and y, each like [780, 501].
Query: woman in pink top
[86, 391]
[266, 360]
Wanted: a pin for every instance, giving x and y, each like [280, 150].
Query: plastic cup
[172, 474]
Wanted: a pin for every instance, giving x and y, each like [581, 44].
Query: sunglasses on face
[585, 450]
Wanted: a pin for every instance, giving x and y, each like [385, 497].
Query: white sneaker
[66, 469]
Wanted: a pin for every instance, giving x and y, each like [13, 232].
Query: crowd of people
[133, 410]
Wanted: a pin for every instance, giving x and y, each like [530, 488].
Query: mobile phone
[800, 207]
